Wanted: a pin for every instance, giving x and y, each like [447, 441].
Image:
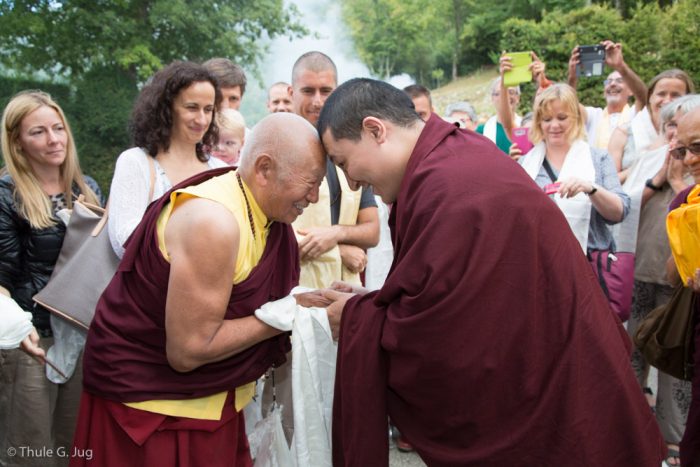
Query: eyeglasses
[613, 80]
[679, 152]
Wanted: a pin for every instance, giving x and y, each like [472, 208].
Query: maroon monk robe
[125, 359]
[490, 342]
[690, 444]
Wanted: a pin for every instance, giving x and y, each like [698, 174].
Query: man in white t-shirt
[620, 85]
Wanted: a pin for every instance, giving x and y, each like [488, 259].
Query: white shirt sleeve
[15, 325]
[593, 116]
[128, 196]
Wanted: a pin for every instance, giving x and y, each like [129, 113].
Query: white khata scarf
[578, 163]
[491, 127]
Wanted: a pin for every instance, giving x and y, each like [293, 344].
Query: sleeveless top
[125, 358]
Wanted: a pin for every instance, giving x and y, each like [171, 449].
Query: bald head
[283, 163]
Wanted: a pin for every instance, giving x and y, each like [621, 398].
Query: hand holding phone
[522, 139]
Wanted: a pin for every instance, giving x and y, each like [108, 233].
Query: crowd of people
[451, 257]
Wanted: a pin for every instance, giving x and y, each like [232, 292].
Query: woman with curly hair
[42, 177]
[171, 124]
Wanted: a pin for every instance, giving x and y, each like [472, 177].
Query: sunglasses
[679, 152]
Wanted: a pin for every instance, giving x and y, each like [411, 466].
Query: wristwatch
[594, 188]
[650, 184]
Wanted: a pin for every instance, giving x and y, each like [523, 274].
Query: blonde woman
[42, 177]
[582, 180]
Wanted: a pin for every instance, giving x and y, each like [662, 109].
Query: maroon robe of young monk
[490, 343]
[125, 359]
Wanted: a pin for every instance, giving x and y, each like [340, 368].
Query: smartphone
[521, 138]
[551, 188]
[591, 60]
[520, 73]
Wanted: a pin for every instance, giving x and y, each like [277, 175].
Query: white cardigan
[128, 195]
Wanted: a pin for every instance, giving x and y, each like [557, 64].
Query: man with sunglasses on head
[619, 86]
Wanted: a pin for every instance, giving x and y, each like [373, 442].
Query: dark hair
[358, 98]
[152, 116]
[417, 90]
[227, 73]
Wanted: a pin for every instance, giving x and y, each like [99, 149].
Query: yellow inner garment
[225, 190]
[683, 226]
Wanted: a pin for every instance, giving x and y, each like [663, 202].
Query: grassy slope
[473, 88]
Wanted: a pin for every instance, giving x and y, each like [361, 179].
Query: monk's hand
[335, 309]
[346, 287]
[30, 345]
[694, 282]
[570, 187]
[312, 298]
[353, 257]
[316, 241]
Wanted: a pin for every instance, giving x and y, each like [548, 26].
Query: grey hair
[683, 104]
[461, 106]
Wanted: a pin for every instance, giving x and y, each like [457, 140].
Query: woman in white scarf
[580, 179]
[628, 142]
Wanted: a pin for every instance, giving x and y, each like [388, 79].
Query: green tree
[104, 57]
[392, 36]
[139, 36]
[680, 36]
[554, 37]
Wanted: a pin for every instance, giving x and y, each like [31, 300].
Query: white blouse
[128, 195]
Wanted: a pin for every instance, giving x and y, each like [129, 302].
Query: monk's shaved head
[315, 62]
[289, 140]
[283, 164]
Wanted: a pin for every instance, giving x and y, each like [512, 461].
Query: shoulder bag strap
[103, 222]
[152, 179]
[548, 169]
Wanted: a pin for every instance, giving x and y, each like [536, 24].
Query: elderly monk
[174, 349]
[490, 343]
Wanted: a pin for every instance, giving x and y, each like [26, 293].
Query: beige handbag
[85, 266]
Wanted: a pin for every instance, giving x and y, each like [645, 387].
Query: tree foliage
[102, 50]
[653, 39]
[138, 36]
[418, 37]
